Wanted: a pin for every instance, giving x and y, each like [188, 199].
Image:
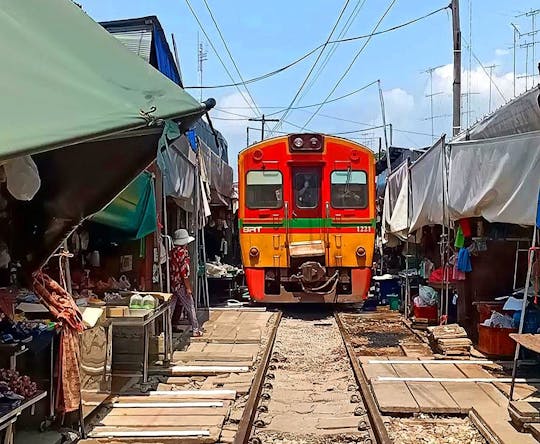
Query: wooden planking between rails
[431, 396]
[390, 397]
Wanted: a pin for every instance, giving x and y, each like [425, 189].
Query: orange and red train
[307, 219]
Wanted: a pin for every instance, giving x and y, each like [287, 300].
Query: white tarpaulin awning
[396, 202]
[497, 179]
[427, 176]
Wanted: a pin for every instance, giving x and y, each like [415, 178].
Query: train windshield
[349, 189]
[307, 187]
[264, 189]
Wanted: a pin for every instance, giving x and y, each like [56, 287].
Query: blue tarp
[165, 60]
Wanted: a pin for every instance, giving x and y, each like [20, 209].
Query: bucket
[394, 301]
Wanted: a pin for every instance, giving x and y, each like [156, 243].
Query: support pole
[263, 120]
[166, 236]
[530, 258]
[456, 87]
[383, 115]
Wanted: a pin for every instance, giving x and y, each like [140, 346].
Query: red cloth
[63, 308]
[436, 275]
[465, 225]
[179, 263]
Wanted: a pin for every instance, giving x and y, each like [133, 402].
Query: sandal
[197, 334]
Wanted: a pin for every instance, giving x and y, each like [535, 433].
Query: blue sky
[263, 36]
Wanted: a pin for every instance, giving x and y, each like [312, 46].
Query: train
[307, 219]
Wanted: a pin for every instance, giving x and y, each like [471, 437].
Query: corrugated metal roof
[138, 41]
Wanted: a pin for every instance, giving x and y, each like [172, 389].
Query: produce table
[143, 318]
[8, 419]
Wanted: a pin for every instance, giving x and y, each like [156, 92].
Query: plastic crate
[430, 313]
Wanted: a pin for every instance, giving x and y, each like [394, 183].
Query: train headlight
[253, 252]
[361, 252]
[298, 142]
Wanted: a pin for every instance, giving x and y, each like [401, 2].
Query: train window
[349, 189]
[306, 188]
[264, 189]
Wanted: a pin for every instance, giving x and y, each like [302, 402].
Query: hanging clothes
[465, 225]
[460, 238]
[63, 308]
[464, 261]
[457, 275]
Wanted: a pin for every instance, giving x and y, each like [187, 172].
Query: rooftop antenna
[517, 36]
[490, 67]
[532, 33]
[202, 56]
[430, 96]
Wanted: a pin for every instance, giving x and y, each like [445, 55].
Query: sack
[22, 176]
[428, 296]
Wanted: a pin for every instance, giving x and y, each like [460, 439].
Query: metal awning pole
[196, 199]
[166, 235]
[530, 258]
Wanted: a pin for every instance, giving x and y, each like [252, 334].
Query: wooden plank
[535, 430]
[205, 370]
[394, 397]
[169, 405]
[207, 356]
[431, 396]
[432, 379]
[121, 410]
[155, 396]
[473, 371]
[527, 340]
[521, 391]
[148, 433]
[497, 423]
[160, 421]
[526, 409]
[425, 361]
[373, 371]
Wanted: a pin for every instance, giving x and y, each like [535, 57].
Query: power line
[288, 110]
[344, 30]
[218, 56]
[353, 60]
[230, 55]
[314, 50]
[485, 71]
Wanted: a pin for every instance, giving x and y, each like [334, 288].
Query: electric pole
[263, 120]
[456, 87]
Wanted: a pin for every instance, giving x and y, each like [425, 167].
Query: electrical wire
[353, 61]
[352, 17]
[230, 56]
[314, 50]
[485, 70]
[219, 57]
[306, 78]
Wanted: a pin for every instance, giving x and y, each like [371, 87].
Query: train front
[307, 219]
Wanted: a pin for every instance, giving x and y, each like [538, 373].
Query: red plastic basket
[426, 312]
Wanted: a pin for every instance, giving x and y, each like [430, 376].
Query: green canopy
[134, 210]
[66, 80]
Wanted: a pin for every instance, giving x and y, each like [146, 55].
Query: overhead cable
[353, 61]
[237, 85]
[314, 50]
[230, 55]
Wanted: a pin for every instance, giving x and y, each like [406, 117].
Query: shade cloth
[495, 178]
[67, 80]
[134, 210]
[427, 176]
[396, 202]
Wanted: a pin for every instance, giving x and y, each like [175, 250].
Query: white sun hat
[182, 237]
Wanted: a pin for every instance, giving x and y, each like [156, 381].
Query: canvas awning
[396, 202]
[66, 80]
[497, 179]
[428, 178]
[134, 210]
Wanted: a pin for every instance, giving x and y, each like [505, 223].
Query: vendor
[181, 286]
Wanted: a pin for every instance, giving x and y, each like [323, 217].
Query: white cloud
[500, 52]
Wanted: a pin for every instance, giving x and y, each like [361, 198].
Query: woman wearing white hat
[181, 286]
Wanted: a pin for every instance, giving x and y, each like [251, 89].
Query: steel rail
[246, 422]
[375, 418]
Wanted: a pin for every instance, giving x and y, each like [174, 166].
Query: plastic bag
[428, 296]
[22, 176]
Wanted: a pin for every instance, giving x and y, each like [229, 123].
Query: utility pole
[456, 87]
[383, 114]
[247, 135]
[263, 120]
[490, 67]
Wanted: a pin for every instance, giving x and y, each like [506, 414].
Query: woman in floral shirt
[181, 286]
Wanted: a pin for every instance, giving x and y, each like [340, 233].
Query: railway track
[309, 387]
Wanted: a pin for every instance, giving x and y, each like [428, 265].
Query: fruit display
[11, 382]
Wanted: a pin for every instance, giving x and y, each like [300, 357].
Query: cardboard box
[117, 312]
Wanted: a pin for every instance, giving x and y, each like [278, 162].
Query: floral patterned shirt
[179, 265]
